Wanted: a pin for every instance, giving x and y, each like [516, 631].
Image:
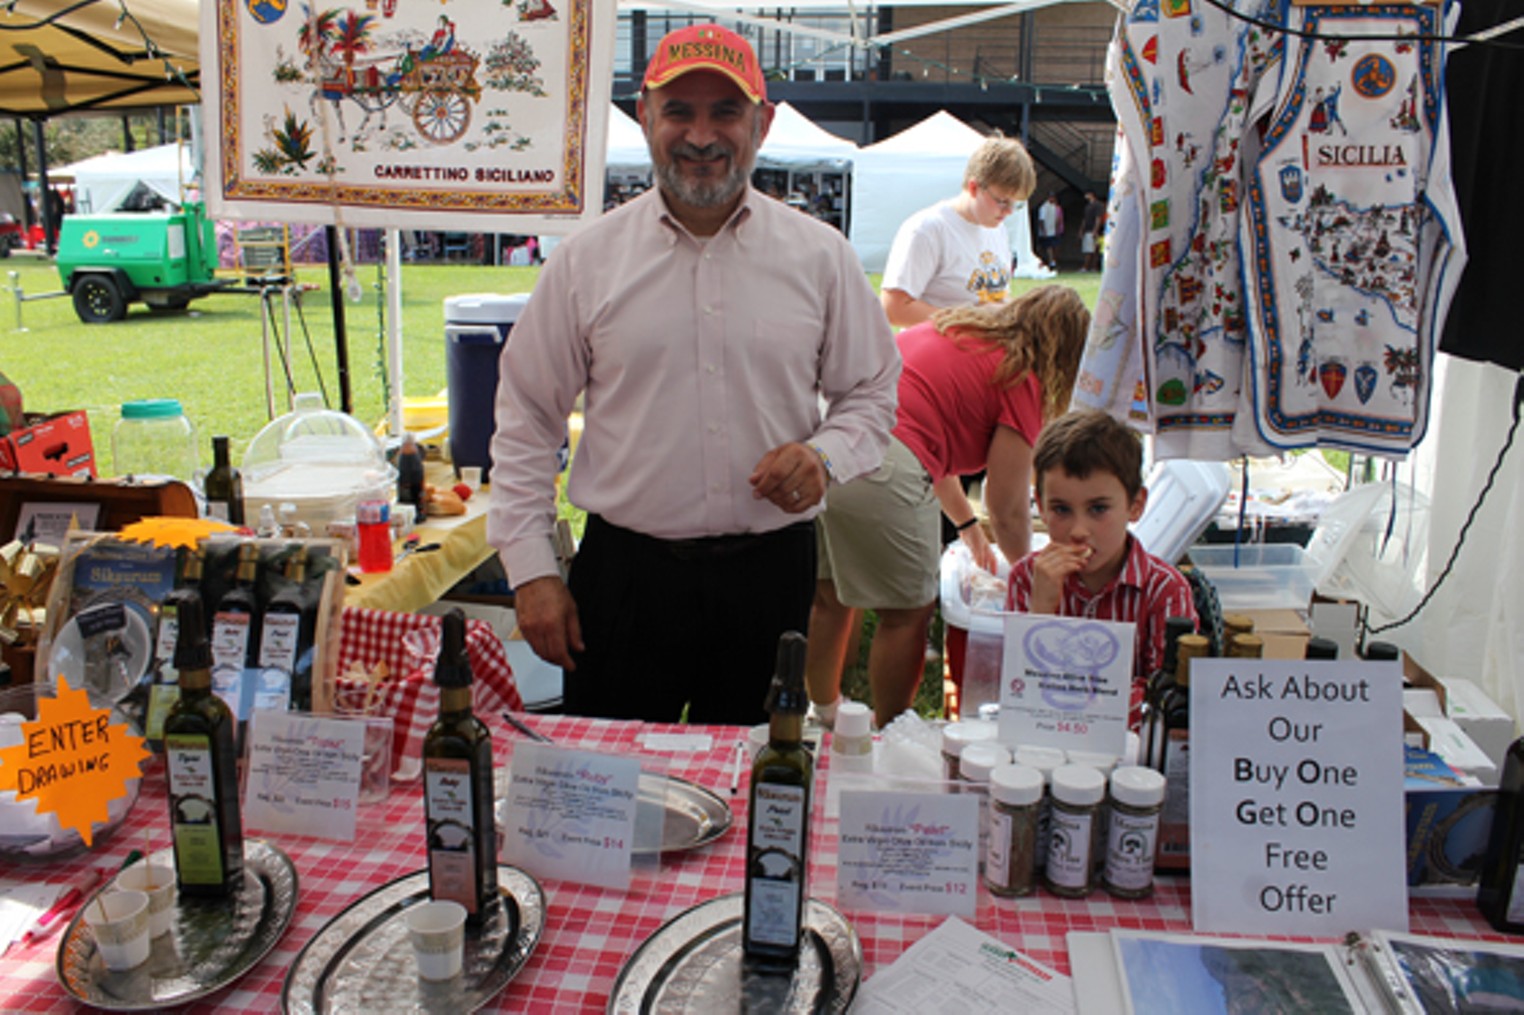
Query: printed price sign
[571, 814]
[1296, 796]
[304, 774]
[1065, 682]
[908, 852]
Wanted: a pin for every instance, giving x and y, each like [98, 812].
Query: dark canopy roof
[86, 55]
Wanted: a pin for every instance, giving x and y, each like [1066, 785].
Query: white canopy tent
[794, 143]
[102, 183]
[915, 168]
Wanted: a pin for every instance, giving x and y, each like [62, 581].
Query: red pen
[52, 917]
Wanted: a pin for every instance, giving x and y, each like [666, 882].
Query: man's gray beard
[701, 193]
[704, 193]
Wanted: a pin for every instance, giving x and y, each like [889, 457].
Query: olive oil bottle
[778, 822]
[235, 634]
[166, 684]
[224, 486]
[1174, 851]
[204, 813]
[283, 629]
[1501, 896]
[457, 788]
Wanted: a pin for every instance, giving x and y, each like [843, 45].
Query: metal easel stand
[276, 334]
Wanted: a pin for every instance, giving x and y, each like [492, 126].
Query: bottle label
[1130, 848]
[775, 863]
[452, 833]
[230, 649]
[217, 509]
[1069, 848]
[1175, 821]
[997, 864]
[193, 808]
[277, 660]
[169, 631]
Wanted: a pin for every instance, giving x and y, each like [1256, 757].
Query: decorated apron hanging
[1351, 234]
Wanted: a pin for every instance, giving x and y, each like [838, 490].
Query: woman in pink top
[976, 387]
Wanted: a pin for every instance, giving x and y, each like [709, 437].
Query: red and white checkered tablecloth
[591, 931]
[408, 643]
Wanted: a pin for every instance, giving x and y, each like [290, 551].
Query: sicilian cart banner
[406, 113]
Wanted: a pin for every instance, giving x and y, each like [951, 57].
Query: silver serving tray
[671, 814]
[693, 964]
[362, 960]
[212, 941]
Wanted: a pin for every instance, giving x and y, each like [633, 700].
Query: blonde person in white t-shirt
[957, 253]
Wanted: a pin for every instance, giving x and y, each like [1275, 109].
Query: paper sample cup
[157, 881]
[119, 922]
[471, 475]
[438, 932]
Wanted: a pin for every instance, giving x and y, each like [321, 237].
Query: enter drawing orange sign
[72, 760]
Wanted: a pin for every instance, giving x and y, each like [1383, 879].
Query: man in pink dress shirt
[733, 362]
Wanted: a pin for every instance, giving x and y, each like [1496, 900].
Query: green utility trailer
[163, 259]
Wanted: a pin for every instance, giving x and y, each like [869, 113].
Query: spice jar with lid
[852, 739]
[1077, 795]
[1016, 796]
[1137, 797]
[1044, 760]
[955, 737]
[975, 764]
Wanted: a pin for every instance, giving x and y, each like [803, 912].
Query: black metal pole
[340, 336]
[26, 206]
[44, 194]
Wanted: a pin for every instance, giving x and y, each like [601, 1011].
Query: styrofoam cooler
[476, 328]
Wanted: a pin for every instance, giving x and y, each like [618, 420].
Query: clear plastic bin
[1263, 576]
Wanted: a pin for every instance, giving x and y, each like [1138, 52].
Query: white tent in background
[627, 154]
[794, 142]
[915, 168]
[102, 183]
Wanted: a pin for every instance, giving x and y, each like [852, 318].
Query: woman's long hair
[1041, 331]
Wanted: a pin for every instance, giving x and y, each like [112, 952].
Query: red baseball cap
[707, 47]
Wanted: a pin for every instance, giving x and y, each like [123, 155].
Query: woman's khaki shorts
[880, 536]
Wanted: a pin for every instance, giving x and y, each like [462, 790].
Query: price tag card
[908, 852]
[303, 774]
[1066, 682]
[1296, 802]
[571, 814]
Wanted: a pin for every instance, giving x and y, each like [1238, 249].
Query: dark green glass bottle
[204, 814]
[223, 486]
[457, 788]
[778, 819]
[1501, 896]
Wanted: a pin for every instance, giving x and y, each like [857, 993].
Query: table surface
[591, 931]
[419, 579]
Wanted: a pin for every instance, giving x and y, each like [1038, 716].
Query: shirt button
[709, 310]
[709, 367]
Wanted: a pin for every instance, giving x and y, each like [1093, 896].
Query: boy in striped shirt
[1089, 473]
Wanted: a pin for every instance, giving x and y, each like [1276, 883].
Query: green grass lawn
[211, 358]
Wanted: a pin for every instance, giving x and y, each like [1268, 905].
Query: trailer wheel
[98, 301]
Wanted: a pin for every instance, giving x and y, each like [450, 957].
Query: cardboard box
[1450, 742]
[1482, 719]
[51, 446]
[1283, 630]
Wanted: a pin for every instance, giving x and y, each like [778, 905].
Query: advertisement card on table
[303, 774]
[1296, 800]
[908, 852]
[571, 814]
[1065, 682]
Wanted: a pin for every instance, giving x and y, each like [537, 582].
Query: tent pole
[394, 329]
[340, 336]
[49, 240]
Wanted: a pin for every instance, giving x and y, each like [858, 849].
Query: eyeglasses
[1005, 204]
